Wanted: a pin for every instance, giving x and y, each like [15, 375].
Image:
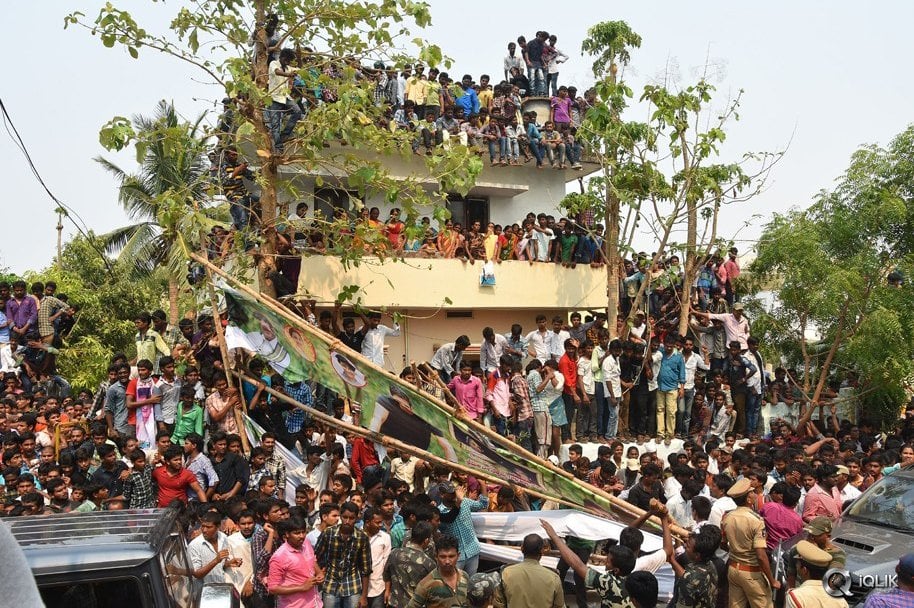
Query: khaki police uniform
[812, 594]
[745, 532]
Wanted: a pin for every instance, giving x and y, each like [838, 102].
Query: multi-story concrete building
[441, 299]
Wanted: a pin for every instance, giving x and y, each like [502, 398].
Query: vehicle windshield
[887, 503]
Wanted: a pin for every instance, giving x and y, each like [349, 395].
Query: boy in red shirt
[173, 480]
[568, 366]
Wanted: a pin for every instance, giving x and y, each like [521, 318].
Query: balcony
[506, 182]
[423, 283]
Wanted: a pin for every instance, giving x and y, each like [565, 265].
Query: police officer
[818, 532]
[812, 564]
[748, 569]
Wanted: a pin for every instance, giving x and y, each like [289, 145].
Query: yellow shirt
[811, 594]
[485, 98]
[415, 90]
[433, 93]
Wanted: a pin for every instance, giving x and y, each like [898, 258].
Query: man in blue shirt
[670, 387]
[7, 364]
[457, 520]
[469, 101]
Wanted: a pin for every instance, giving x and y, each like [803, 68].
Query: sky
[820, 79]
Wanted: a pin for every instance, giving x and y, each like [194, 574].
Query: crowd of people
[696, 429]
[710, 444]
[433, 108]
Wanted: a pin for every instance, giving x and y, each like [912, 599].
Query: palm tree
[166, 198]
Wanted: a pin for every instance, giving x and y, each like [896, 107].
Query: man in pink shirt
[727, 271]
[498, 394]
[736, 326]
[824, 498]
[294, 575]
[467, 388]
[781, 519]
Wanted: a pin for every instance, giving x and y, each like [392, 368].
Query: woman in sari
[394, 230]
[508, 243]
[448, 240]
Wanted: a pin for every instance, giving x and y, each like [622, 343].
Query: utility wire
[13, 132]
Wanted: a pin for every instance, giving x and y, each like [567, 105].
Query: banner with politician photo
[385, 404]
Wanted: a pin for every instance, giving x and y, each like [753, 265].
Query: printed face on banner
[385, 404]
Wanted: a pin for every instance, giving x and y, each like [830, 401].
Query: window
[465, 211]
[174, 564]
[328, 200]
[459, 314]
[115, 593]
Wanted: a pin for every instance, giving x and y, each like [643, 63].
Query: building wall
[512, 191]
[452, 283]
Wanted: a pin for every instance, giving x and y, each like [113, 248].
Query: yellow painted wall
[425, 283]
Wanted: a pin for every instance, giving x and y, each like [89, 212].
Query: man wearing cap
[903, 595]
[528, 583]
[748, 572]
[818, 532]
[812, 563]
[482, 588]
[847, 491]
[736, 325]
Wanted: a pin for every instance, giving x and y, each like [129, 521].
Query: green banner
[391, 406]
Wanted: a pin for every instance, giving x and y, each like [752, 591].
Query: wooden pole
[226, 362]
[629, 509]
[391, 443]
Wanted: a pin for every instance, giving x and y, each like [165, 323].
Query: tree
[835, 310]
[331, 39]
[657, 173]
[106, 303]
[166, 198]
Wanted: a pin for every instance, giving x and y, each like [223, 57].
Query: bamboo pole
[271, 304]
[391, 443]
[226, 362]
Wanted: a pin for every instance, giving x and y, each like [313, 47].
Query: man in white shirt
[373, 343]
[299, 225]
[638, 328]
[673, 484]
[280, 73]
[633, 538]
[556, 338]
[512, 60]
[680, 504]
[493, 347]
[848, 492]
[537, 346]
[209, 553]
[403, 467]
[240, 546]
[723, 504]
[380, 544]
[448, 357]
[612, 386]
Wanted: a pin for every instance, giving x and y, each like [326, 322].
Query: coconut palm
[166, 198]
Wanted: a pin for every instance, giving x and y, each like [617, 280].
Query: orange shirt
[569, 369]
